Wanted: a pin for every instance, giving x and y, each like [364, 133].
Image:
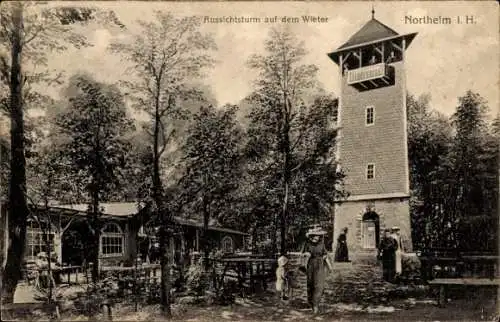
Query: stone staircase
[358, 281]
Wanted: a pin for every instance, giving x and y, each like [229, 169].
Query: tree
[18, 208]
[166, 54]
[429, 142]
[212, 164]
[475, 162]
[45, 179]
[96, 126]
[454, 175]
[28, 34]
[282, 91]
[45, 30]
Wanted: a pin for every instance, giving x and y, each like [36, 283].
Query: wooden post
[183, 244]
[442, 296]
[197, 240]
[403, 49]
[341, 66]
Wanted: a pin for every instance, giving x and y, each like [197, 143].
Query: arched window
[227, 244]
[112, 239]
[370, 230]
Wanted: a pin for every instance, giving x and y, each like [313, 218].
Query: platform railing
[366, 73]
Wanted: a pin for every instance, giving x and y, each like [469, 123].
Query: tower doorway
[370, 229]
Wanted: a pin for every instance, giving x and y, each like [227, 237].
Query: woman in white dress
[399, 251]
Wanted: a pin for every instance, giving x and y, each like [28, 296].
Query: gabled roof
[371, 31]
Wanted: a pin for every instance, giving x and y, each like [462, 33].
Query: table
[255, 271]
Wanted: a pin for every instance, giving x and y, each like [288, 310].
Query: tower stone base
[390, 212]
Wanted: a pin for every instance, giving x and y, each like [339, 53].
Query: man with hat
[316, 271]
[387, 252]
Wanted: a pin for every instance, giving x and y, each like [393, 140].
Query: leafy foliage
[90, 301]
[291, 139]
[197, 280]
[165, 56]
[475, 161]
[95, 126]
[454, 175]
[46, 30]
[29, 33]
[211, 163]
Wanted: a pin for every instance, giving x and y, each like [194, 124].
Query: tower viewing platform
[371, 76]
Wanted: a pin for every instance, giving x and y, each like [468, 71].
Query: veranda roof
[125, 210]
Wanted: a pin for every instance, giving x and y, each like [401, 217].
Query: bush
[103, 292]
[197, 280]
[411, 265]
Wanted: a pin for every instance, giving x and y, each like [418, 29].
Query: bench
[444, 282]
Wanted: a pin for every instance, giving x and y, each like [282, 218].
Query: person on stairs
[342, 252]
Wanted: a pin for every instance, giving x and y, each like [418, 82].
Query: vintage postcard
[249, 160]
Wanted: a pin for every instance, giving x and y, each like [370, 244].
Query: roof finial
[373, 12]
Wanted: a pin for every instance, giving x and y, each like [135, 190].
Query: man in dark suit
[387, 253]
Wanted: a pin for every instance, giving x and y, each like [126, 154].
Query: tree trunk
[274, 233]
[164, 222]
[165, 271]
[286, 174]
[49, 252]
[333, 227]
[205, 240]
[254, 240]
[18, 208]
[95, 235]
[283, 218]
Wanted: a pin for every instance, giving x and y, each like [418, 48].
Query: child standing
[282, 277]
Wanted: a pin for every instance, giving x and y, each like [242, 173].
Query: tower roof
[373, 30]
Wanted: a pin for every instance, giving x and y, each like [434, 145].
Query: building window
[370, 171]
[112, 240]
[370, 115]
[227, 245]
[36, 241]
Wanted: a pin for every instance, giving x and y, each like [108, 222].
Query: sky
[444, 60]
